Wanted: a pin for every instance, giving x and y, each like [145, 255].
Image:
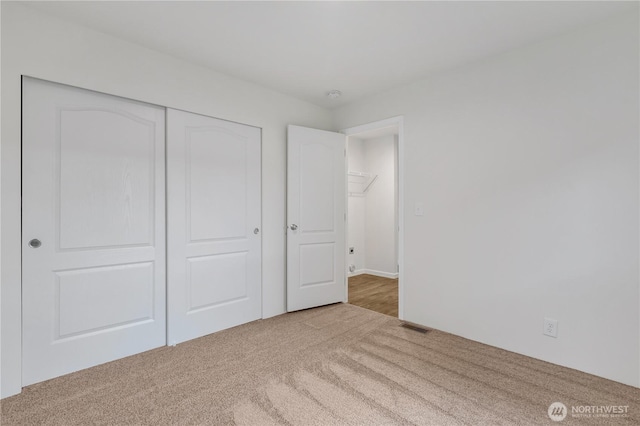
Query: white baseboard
[373, 272]
[356, 272]
[381, 273]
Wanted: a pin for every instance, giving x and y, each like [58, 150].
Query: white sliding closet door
[214, 236]
[93, 249]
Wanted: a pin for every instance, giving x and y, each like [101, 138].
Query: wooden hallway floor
[375, 293]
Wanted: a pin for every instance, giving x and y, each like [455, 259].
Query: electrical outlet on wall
[550, 327]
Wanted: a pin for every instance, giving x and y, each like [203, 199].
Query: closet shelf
[360, 183]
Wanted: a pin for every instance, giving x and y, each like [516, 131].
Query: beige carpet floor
[336, 365]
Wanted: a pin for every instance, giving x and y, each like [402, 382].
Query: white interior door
[93, 271]
[316, 215]
[214, 236]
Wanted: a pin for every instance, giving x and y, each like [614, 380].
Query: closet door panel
[93, 229]
[214, 211]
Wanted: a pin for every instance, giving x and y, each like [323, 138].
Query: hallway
[375, 293]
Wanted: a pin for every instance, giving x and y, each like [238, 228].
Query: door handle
[35, 243]
[293, 227]
[256, 231]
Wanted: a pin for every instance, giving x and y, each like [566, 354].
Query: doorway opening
[374, 216]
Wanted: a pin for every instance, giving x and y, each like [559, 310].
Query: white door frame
[388, 122]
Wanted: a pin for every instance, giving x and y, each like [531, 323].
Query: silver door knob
[256, 231]
[35, 243]
[293, 227]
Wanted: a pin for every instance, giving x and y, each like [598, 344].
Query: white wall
[380, 210]
[43, 47]
[527, 165]
[356, 205]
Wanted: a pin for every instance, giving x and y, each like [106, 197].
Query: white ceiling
[305, 49]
